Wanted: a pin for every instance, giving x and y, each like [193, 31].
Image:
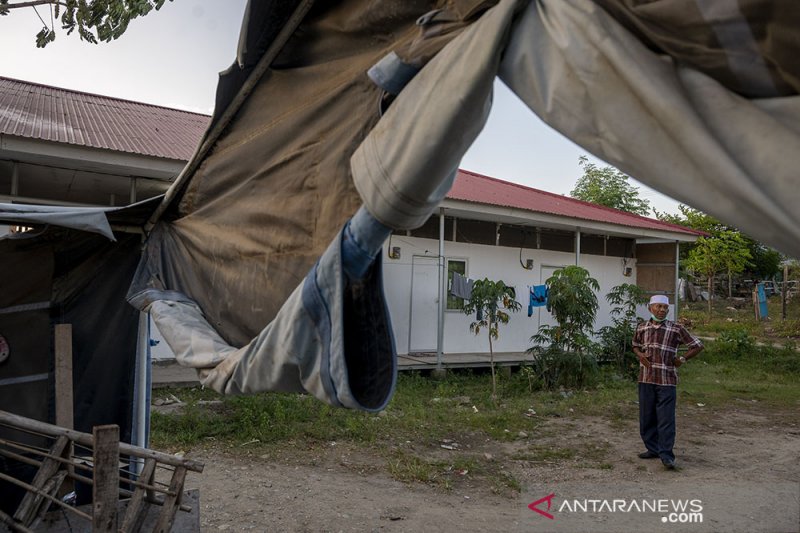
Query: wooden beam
[137, 508]
[85, 439]
[171, 503]
[15, 481]
[106, 479]
[27, 509]
[63, 377]
[13, 526]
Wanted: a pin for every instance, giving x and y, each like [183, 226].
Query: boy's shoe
[669, 464]
[648, 455]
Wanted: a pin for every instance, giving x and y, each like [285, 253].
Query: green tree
[765, 262]
[95, 20]
[490, 300]
[727, 251]
[563, 353]
[609, 187]
[694, 219]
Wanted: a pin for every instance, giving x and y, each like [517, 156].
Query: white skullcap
[659, 299]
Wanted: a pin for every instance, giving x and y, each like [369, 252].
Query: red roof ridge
[582, 202]
[102, 96]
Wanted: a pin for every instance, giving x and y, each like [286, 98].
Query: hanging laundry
[538, 297]
[461, 287]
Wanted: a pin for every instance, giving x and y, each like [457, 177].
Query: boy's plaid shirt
[660, 342]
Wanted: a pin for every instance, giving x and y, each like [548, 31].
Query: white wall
[496, 263]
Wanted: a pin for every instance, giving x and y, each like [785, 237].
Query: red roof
[53, 114]
[477, 188]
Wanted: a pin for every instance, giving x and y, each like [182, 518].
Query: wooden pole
[63, 376]
[106, 479]
[785, 289]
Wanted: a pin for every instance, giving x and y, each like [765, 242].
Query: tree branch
[33, 3]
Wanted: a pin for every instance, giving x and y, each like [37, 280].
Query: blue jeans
[657, 418]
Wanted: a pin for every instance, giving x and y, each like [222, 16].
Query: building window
[455, 265]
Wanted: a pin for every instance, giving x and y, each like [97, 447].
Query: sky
[172, 58]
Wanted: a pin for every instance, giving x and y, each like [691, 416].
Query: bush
[556, 368]
[615, 348]
[736, 343]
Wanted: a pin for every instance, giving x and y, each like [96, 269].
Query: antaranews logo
[533, 506]
[680, 511]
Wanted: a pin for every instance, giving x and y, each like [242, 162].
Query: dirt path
[337, 487]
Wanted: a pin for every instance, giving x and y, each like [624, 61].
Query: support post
[63, 376]
[578, 247]
[14, 179]
[677, 277]
[132, 199]
[442, 293]
[784, 290]
[106, 479]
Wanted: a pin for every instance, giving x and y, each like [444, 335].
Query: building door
[424, 308]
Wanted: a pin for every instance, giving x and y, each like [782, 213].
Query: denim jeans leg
[665, 409]
[648, 420]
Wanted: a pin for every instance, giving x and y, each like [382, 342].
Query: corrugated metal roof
[477, 188]
[53, 114]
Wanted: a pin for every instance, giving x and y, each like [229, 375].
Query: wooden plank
[85, 439]
[106, 478]
[171, 503]
[13, 526]
[150, 489]
[63, 376]
[188, 522]
[136, 507]
[51, 487]
[15, 481]
[27, 508]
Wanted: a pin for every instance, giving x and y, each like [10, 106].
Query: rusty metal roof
[477, 188]
[47, 113]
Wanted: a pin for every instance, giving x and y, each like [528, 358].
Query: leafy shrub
[616, 342]
[736, 343]
[563, 355]
[556, 368]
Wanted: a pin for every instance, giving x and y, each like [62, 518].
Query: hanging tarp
[695, 98]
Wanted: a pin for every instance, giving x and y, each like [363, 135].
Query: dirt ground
[338, 487]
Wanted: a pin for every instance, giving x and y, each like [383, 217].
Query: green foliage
[559, 368]
[490, 300]
[564, 354]
[765, 263]
[573, 302]
[609, 187]
[725, 252]
[95, 20]
[616, 341]
[736, 342]
[693, 218]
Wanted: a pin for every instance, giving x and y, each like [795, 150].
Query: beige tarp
[715, 125]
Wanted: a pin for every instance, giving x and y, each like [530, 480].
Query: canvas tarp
[241, 231]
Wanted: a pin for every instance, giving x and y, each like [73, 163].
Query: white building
[107, 151]
[488, 228]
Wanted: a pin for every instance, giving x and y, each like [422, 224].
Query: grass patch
[425, 411]
[480, 435]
